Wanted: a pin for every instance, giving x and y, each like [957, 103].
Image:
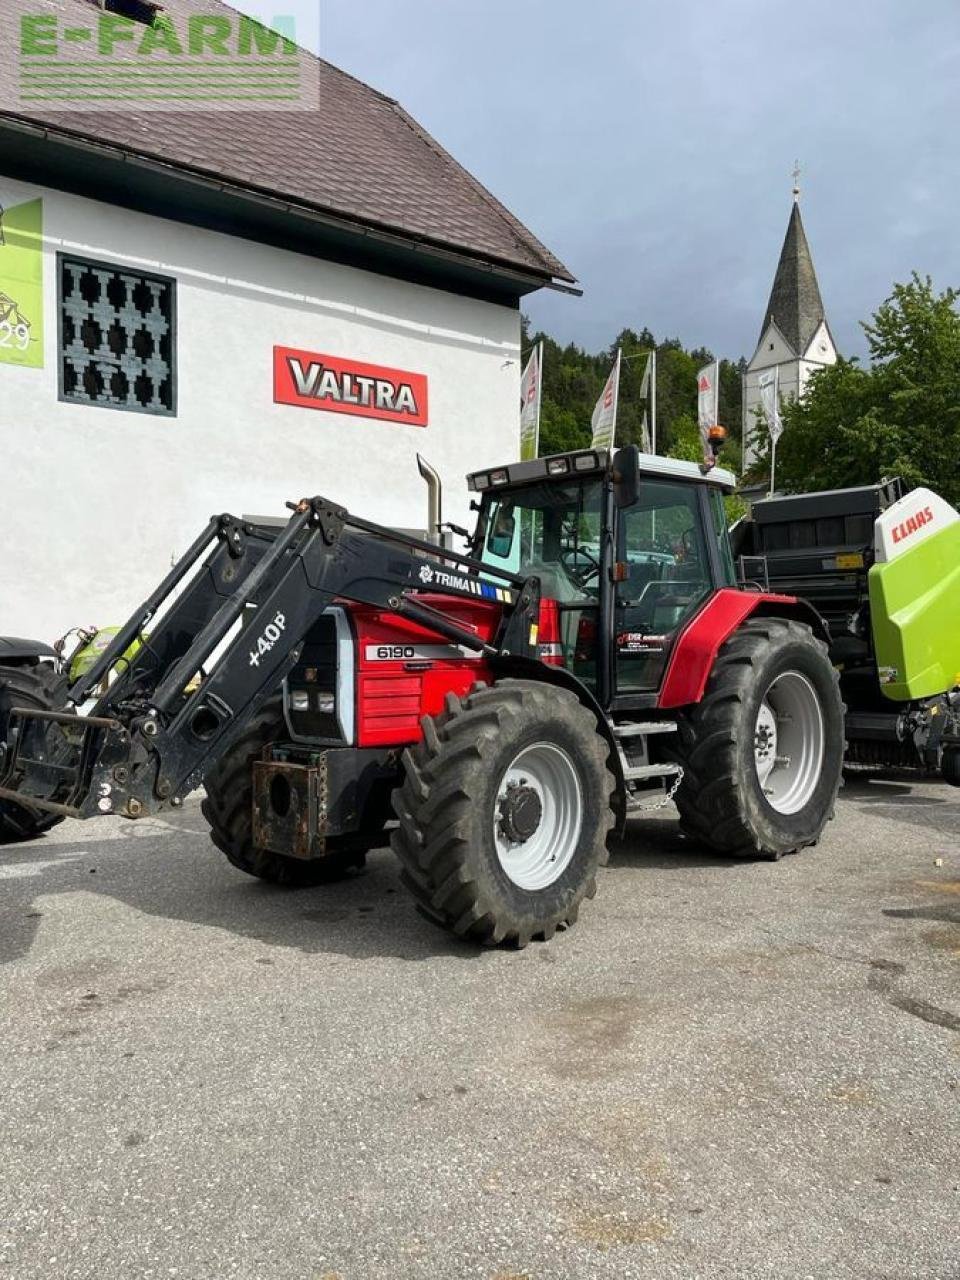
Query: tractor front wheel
[38, 688]
[228, 808]
[504, 812]
[762, 752]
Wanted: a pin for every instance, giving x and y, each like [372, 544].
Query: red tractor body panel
[404, 671]
[698, 644]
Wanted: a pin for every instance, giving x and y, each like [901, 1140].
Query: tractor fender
[698, 644]
[14, 651]
[514, 667]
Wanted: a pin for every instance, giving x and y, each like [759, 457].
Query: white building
[203, 312]
[795, 338]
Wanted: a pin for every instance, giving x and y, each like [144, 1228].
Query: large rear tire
[37, 687]
[504, 812]
[762, 752]
[228, 808]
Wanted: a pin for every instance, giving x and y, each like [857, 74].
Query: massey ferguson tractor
[587, 657]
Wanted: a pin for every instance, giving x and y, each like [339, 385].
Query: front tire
[762, 752]
[38, 687]
[228, 808]
[504, 812]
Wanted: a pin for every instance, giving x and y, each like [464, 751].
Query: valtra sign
[314, 381]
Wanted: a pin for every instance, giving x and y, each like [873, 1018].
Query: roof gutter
[419, 244]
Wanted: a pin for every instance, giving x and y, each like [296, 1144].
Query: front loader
[587, 657]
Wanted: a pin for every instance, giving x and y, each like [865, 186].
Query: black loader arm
[227, 630]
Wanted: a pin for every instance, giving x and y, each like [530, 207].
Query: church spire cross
[796, 181]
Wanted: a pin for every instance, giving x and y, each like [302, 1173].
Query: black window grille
[117, 337]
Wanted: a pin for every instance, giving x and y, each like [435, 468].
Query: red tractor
[588, 656]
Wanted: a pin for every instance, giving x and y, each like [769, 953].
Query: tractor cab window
[719, 511]
[551, 530]
[667, 576]
[554, 531]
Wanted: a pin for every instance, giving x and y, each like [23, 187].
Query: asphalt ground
[725, 1070]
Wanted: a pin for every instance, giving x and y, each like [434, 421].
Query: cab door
[667, 553]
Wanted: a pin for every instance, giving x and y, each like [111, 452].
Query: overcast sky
[649, 143]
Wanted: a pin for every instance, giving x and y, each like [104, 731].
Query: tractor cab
[627, 549]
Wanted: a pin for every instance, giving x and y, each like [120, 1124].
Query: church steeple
[795, 305]
[795, 338]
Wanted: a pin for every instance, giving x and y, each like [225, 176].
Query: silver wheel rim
[788, 742]
[539, 859]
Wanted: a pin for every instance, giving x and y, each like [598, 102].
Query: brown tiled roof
[359, 157]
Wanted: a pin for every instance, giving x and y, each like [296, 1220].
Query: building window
[117, 337]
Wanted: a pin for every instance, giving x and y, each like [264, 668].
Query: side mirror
[500, 539]
[626, 476]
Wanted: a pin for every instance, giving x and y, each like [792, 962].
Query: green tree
[687, 443]
[900, 416]
[573, 379]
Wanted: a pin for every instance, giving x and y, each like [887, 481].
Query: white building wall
[96, 502]
[821, 350]
[773, 351]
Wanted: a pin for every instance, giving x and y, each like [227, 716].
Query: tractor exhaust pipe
[434, 500]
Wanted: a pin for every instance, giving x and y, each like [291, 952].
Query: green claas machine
[883, 568]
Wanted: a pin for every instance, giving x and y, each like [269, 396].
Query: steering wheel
[581, 565]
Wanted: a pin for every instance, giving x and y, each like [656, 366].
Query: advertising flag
[645, 445]
[708, 400]
[768, 386]
[645, 380]
[531, 394]
[604, 420]
[648, 393]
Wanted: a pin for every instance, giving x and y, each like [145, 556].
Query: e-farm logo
[139, 55]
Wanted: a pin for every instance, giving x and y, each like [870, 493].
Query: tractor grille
[319, 686]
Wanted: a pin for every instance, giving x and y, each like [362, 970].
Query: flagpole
[653, 400]
[616, 401]
[536, 450]
[773, 441]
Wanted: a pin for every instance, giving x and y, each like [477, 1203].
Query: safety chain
[664, 799]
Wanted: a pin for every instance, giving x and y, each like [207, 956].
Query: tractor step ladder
[630, 728]
[636, 772]
[639, 770]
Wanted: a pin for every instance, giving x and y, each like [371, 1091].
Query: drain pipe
[434, 500]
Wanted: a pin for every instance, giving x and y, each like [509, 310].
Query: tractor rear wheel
[37, 687]
[762, 752]
[504, 812]
[228, 808]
